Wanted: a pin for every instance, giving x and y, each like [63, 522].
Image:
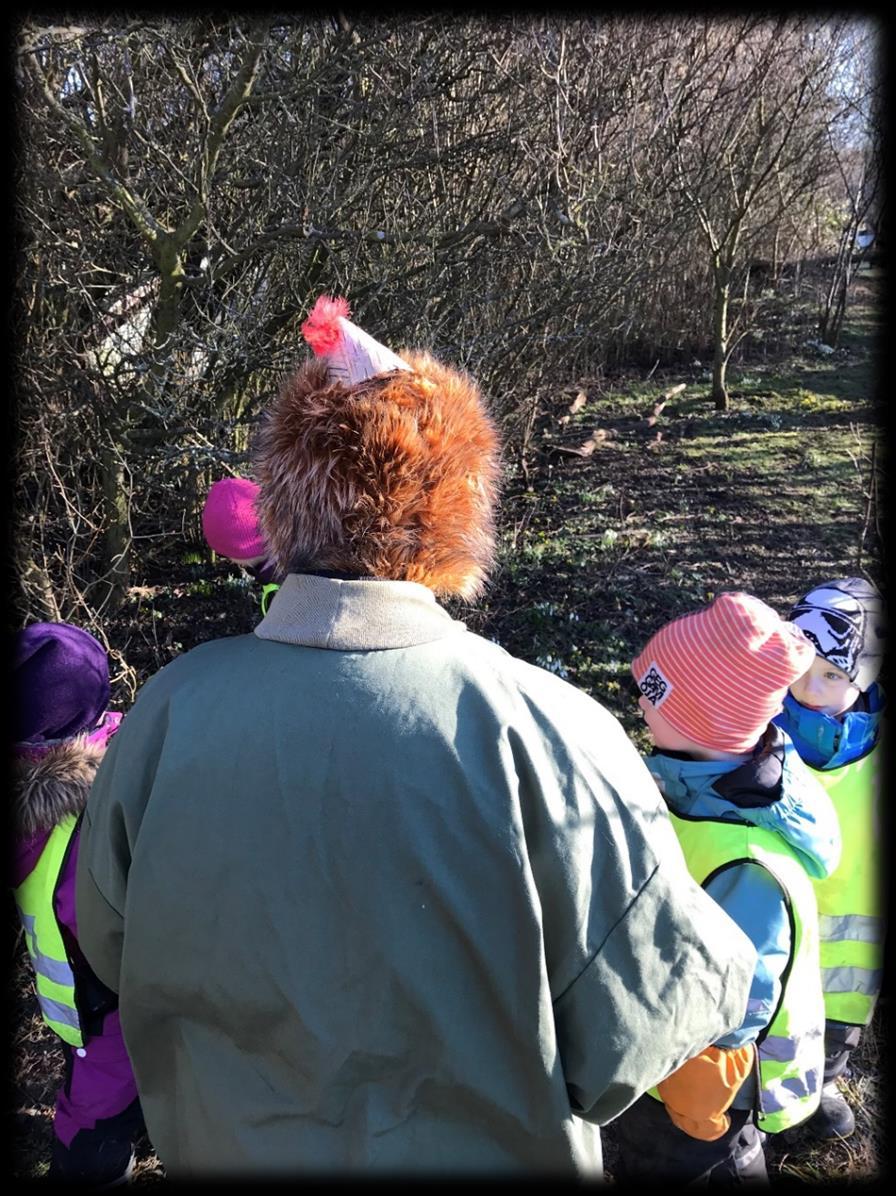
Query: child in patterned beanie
[753, 825]
[231, 528]
[834, 715]
[61, 728]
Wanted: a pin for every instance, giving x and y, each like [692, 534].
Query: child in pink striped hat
[754, 826]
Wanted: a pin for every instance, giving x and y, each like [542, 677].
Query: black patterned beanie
[844, 619]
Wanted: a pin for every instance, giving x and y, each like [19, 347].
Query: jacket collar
[826, 742]
[799, 810]
[756, 782]
[354, 616]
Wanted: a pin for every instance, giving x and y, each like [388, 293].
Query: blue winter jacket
[827, 742]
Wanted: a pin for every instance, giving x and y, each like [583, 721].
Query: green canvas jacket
[378, 897]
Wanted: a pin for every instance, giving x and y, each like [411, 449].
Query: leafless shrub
[533, 198]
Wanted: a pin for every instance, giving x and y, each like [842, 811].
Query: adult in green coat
[376, 896]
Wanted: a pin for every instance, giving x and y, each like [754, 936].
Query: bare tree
[536, 198]
[855, 135]
[86, 83]
[744, 134]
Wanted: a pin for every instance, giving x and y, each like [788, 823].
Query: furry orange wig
[393, 478]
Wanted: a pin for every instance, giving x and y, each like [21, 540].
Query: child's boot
[833, 1118]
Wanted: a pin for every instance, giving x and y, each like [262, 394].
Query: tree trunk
[834, 324]
[834, 306]
[722, 292]
[830, 323]
[38, 596]
[111, 588]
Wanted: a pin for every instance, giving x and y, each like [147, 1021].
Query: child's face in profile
[825, 688]
[668, 739]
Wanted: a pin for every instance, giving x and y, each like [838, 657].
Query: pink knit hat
[352, 355]
[230, 522]
[719, 675]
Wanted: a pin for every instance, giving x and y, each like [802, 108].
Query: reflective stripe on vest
[783, 1096]
[791, 1051]
[782, 1050]
[54, 980]
[849, 901]
[57, 970]
[57, 1014]
[851, 928]
[851, 980]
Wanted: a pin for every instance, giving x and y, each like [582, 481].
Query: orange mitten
[698, 1093]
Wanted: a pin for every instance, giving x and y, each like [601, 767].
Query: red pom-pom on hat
[352, 355]
[321, 329]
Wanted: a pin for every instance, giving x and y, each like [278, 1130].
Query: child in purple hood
[60, 731]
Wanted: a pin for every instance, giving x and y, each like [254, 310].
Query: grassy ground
[771, 497]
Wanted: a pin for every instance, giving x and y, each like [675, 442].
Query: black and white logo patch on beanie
[844, 621]
[654, 685]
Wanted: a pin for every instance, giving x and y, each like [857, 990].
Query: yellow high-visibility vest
[791, 1048]
[850, 907]
[54, 979]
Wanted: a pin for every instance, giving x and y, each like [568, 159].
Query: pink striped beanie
[719, 675]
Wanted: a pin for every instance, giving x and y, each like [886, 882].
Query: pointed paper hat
[352, 356]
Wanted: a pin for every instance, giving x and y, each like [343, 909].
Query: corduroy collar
[354, 616]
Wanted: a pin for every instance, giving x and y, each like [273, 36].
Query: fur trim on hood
[47, 789]
[395, 478]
